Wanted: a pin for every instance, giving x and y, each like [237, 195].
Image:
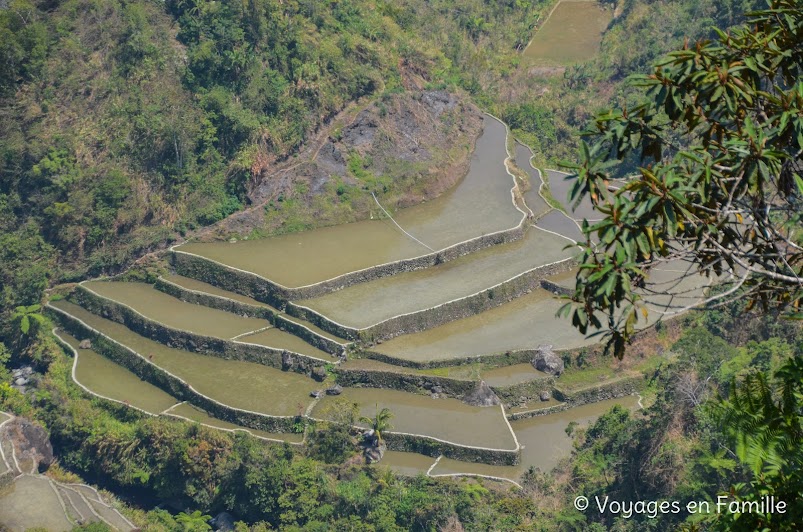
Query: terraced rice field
[369, 303]
[107, 379]
[187, 411]
[243, 385]
[174, 313]
[445, 419]
[480, 204]
[524, 323]
[465, 350]
[571, 34]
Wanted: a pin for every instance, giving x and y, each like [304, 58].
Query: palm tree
[26, 316]
[379, 423]
[194, 522]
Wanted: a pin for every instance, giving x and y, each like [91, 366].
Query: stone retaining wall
[262, 289]
[171, 384]
[556, 288]
[432, 317]
[244, 309]
[402, 381]
[524, 392]
[213, 301]
[593, 394]
[431, 447]
[226, 349]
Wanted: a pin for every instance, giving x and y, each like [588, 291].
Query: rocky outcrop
[85, 344]
[547, 360]
[334, 390]
[482, 395]
[31, 442]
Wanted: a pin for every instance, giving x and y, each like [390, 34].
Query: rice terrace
[439, 312]
[392, 265]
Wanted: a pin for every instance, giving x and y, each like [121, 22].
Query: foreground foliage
[720, 181]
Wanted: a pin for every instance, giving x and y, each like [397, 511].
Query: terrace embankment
[419, 300]
[140, 307]
[198, 292]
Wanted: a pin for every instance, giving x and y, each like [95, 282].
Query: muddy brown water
[480, 204]
[105, 378]
[559, 223]
[239, 384]
[446, 419]
[167, 310]
[524, 323]
[408, 464]
[206, 288]
[172, 312]
[532, 196]
[186, 410]
[572, 33]
[511, 375]
[543, 438]
[560, 186]
[366, 304]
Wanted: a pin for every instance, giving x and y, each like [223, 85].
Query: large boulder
[31, 442]
[223, 521]
[319, 373]
[85, 344]
[547, 360]
[482, 395]
[334, 390]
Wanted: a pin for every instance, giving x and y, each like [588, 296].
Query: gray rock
[334, 390]
[482, 395]
[21, 381]
[85, 344]
[547, 361]
[437, 389]
[287, 360]
[319, 373]
[374, 453]
[545, 396]
[223, 521]
[316, 393]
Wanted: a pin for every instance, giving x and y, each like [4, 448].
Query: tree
[194, 522]
[718, 184]
[763, 419]
[27, 316]
[379, 423]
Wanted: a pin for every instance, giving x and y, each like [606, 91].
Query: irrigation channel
[240, 334]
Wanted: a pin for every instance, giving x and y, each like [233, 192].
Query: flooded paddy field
[243, 385]
[206, 288]
[366, 304]
[511, 375]
[278, 339]
[560, 187]
[107, 379]
[187, 411]
[532, 197]
[571, 34]
[167, 310]
[524, 323]
[543, 438]
[175, 313]
[557, 222]
[407, 464]
[480, 204]
[446, 419]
